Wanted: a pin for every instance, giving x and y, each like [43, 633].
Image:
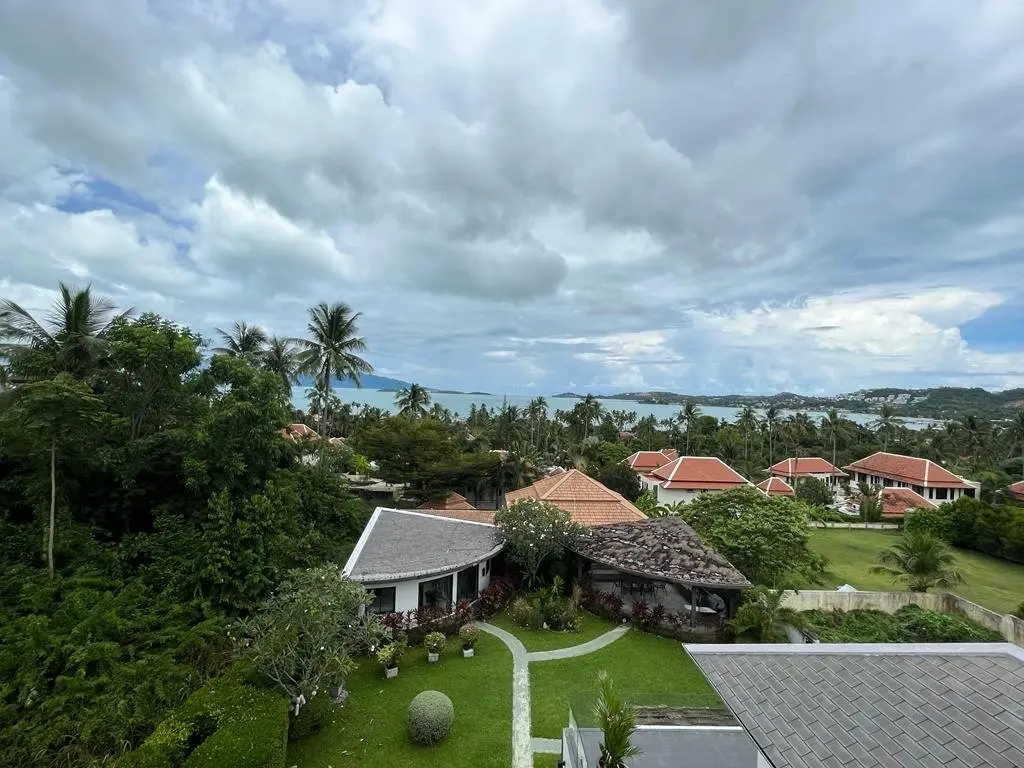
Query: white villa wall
[952, 494]
[672, 495]
[831, 480]
[407, 593]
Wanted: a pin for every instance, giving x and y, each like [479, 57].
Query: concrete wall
[870, 526]
[1011, 628]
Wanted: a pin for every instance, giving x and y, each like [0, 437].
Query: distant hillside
[368, 381]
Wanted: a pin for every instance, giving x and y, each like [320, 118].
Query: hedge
[910, 624]
[973, 524]
[225, 724]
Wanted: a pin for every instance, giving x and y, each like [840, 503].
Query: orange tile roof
[896, 501]
[909, 469]
[805, 465]
[698, 473]
[645, 461]
[451, 501]
[584, 498]
[1017, 489]
[471, 515]
[775, 486]
[295, 431]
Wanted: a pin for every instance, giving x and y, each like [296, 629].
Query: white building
[793, 469]
[685, 478]
[923, 476]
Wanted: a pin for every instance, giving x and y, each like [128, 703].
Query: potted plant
[617, 722]
[389, 656]
[434, 643]
[467, 636]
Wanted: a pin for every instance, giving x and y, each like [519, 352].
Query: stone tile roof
[776, 486]
[663, 548]
[584, 498]
[805, 465]
[909, 469]
[452, 501]
[698, 473]
[645, 461]
[400, 544]
[898, 501]
[875, 706]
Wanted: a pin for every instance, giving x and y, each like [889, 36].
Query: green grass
[646, 670]
[990, 582]
[545, 640]
[369, 730]
[543, 760]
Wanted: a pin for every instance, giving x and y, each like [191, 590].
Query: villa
[922, 476]
[775, 486]
[686, 477]
[586, 500]
[791, 470]
[1016, 491]
[643, 462]
[897, 502]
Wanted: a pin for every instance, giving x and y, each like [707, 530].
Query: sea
[460, 404]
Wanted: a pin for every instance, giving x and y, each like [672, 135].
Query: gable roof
[874, 705]
[452, 501]
[297, 431]
[586, 500]
[645, 461]
[775, 486]
[909, 469]
[899, 501]
[805, 465]
[662, 548]
[399, 544]
[1017, 489]
[697, 473]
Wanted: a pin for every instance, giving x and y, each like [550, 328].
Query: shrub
[311, 717]
[390, 655]
[813, 491]
[225, 724]
[468, 635]
[430, 717]
[1019, 613]
[641, 613]
[494, 597]
[395, 622]
[937, 522]
[911, 624]
[435, 642]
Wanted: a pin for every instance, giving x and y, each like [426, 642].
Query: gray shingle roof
[861, 706]
[402, 544]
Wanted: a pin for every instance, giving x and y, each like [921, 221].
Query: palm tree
[617, 721]
[647, 430]
[689, 416]
[412, 401]
[747, 422]
[763, 618]
[1016, 434]
[536, 411]
[589, 411]
[920, 559]
[244, 341]
[72, 338]
[886, 424]
[832, 427]
[281, 358]
[331, 351]
[771, 423]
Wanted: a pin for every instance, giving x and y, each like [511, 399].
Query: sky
[528, 196]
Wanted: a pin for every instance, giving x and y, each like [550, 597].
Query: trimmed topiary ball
[430, 717]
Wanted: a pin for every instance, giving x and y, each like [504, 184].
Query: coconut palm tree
[747, 423]
[412, 401]
[921, 560]
[771, 424]
[886, 424]
[647, 430]
[281, 357]
[832, 428]
[71, 339]
[332, 349]
[689, 416]
[763, 618]
[617, 721]
[244, 341]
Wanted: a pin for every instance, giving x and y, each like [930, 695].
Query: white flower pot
[432, 657]
[467, 653]
[391, 672]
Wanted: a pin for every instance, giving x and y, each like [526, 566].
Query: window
[383, 600]
[468, 583]
[941, 493]
[969, 493]
[436, 593]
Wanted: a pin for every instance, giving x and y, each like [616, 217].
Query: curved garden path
[523, 746]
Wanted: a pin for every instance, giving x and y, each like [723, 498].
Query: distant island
[458, 392]
[932, 403]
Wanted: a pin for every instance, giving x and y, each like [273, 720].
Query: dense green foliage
[534, 531]
[814, 491]
[996, 530]
[429, 718]
[762, 618]
[911, 624]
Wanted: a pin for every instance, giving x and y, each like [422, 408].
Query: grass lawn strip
[647, 670]
[990, 582]
[591, 626]
[542, 760]
[369, 729]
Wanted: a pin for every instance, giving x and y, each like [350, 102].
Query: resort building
[792, 470]
[685, 478]
[923, 476]
[897, 502]
[643, 462]
[586, 500]
[775, 486]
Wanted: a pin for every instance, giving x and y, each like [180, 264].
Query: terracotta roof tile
[909, 469]
[295, 431]
[775, 486]
[645, 461]
[897, 501]
[1017, 489]
[805, 465]
[698, 473]
[584, 498]
[451, 501]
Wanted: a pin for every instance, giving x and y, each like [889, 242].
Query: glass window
[383, 600]
[436, 593]
[969, 493]
[468, 582]
[941, 493]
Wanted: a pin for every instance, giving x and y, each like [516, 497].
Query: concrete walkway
[523, 746]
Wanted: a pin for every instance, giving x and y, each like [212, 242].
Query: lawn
[646, 670]
[369, 730]
[990, 582]
[543, 760]
[545, 640]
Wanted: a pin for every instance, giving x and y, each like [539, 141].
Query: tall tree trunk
[53, 504]
[833, 449]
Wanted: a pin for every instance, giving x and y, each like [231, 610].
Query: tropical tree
[689, 416]
[921, 560]
[589, 411]
[281, 357]
[646, 431]
[747, 424]
[762, 617]
[332, 350]
[617, 722]
[886, 424]
[413, 401]
[771, 425]
[244, 341]
[71, 339]
[533, 531]
[833, 429]
[1015, 433]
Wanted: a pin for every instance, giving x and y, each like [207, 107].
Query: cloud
[666, 193]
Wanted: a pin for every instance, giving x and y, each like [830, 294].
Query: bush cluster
[911, 624]
[972, 524]
[495, 596]
[416, 624]
[548, 608]
[435, 642]
[468, 635]
[430, 716]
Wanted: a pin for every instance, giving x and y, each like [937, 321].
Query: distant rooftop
[775, 486]
[587, 501]
[698, 473]
[909, 469]
[806, 465]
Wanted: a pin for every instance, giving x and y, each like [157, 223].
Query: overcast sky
[533, 196]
